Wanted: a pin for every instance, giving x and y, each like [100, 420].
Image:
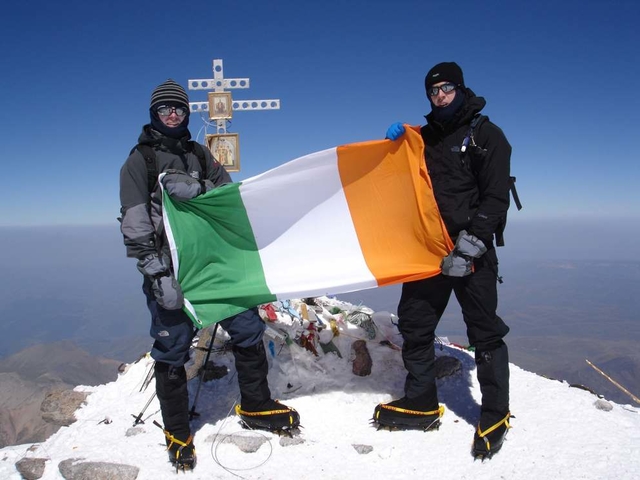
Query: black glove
[163, 284]
[459, 263]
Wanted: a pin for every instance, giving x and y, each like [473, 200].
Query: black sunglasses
[165, 111]
[446, 88]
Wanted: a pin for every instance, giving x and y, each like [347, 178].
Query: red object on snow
[269, 311]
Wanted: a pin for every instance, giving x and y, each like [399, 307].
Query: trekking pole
[150, 374]
[139, 416]
[636, 399]
[192, 412]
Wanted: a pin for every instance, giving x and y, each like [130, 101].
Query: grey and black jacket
[471, 188]
[141, 209]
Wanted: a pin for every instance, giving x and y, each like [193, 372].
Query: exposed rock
[603, 405]
[248, 443]
[133, 431]
[447, 366]
[76, 469]
[362, 449]
[31, 468]
[7, 430]
[59, 407]
[25, 380]
[362, 362]
[290, 441]
[25, 424]
[20, 417]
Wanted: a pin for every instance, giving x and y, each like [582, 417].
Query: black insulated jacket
[471, 188]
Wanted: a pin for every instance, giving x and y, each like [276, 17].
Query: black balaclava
[445, 114]
[446, 72]
[170, 94]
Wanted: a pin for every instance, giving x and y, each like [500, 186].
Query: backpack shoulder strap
[514, 192]
[477, 119]
[469, 138]
[149, 155]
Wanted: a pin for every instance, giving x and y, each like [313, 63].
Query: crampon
[488, 442]
[182, 454]
[392, 417]
[278, 419]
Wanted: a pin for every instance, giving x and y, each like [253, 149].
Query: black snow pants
[421, 306]
[173, 331]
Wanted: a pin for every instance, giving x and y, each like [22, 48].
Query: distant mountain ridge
[27, 376]
[557, 431]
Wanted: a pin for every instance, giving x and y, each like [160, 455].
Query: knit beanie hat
[173, 95]
[169, 93]
[444, 72]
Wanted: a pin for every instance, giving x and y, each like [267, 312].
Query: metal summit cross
[220, 107]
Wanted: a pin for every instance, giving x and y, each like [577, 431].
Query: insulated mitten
[456, 265]
[167, 292]
[470, 245]
[459, 263]
[164, 285]
[151, 266]
[181, 186]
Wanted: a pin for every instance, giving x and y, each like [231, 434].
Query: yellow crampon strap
[439, 411]
[484, 434]
[182, 444]
[172, 440]
[239, 411]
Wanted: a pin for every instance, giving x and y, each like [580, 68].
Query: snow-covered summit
[557, 431]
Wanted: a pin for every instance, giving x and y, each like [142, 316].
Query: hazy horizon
[564, 281]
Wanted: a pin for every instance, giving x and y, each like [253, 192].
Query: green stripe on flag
[219, 269]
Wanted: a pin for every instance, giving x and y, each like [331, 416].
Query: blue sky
[560, 78]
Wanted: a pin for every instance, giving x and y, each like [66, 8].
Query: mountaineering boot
[171, 388]
[182, 453]
[272, 416]
[257, 409]
[489, 435]
[409, 414]
[493, 377]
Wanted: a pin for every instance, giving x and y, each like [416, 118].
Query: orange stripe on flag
[394, 212]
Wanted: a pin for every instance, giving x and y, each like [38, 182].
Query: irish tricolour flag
[348, 218]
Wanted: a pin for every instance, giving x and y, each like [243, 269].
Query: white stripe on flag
[303, 210]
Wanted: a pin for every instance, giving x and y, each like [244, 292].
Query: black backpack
[477, 151]
[149, 155]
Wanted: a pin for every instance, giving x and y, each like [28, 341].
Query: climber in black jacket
[468, 160]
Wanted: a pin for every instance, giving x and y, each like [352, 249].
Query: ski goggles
[446, 88]
[165, 111]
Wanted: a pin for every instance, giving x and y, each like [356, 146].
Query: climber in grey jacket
[189, 169]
